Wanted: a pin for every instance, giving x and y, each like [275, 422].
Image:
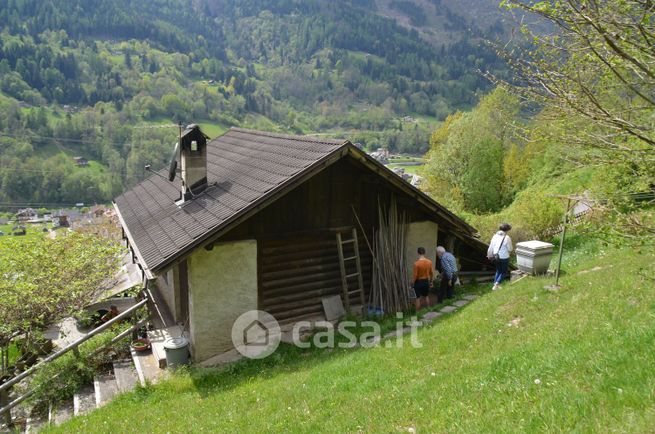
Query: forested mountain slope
[442, 22]
[82, 77]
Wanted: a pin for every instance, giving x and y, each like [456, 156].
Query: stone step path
[429, 317]
[126, 376]
[397, 333]
[105, 387]
[147, 367]
[84, 400]
[61, 413]
[432, 316]
[448, 309]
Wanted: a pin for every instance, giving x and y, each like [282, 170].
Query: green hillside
[518, 360]
[85, 78]
[446, 21]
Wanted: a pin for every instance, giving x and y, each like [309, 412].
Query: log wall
[296, 273]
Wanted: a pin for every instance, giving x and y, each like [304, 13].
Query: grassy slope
[212, 130]
[33, 231]
[408, 169]
[589, 345]
[574, 182]
[437, 28]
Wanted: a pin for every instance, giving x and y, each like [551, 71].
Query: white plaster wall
[222, 285]
[420, 234]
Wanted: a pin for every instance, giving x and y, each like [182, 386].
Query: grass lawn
[32, 231]
[13, 353]
[517, 360]
[95, 167]
[394, 160]
[412, 169]
[211, 129]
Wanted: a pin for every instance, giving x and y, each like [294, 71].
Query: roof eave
[410, 189]
[143, 265]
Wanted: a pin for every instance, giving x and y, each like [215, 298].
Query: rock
[431, 316]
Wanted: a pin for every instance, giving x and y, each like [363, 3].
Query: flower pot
[140, 345]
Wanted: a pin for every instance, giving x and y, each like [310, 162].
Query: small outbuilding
[26, 214]
[80, 161]
[254, 224]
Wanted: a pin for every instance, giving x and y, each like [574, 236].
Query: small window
[194, 146]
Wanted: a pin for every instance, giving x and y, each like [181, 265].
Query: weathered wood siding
[298, 258]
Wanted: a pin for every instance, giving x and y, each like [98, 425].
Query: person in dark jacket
[448, 266]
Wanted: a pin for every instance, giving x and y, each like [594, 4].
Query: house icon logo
[256, 334]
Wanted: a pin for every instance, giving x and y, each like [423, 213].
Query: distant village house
[381, 155]
[81, 161]
[26, 214]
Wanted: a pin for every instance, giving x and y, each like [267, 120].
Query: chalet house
[253, 225]
[26, 214]
[97, 211]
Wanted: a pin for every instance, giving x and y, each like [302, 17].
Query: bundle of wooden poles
[390, 284]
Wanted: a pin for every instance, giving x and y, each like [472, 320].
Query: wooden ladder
[342, 265]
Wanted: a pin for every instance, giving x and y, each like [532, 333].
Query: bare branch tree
[595, 72]
[600, 64]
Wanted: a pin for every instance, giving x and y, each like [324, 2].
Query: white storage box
[533, 257]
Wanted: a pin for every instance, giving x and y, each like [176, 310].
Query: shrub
[62, 378]
[535, 213]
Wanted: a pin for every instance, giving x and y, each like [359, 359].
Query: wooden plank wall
[297, 273]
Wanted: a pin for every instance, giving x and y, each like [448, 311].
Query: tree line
[577, 121]
[81, 77]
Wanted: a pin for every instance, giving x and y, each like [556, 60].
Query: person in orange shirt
[422, 278]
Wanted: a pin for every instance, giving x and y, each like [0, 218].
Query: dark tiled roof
[243, 168]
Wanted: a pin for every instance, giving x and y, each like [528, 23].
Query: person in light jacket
[499, 251]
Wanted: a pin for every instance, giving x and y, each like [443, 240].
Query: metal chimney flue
[193, 161]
